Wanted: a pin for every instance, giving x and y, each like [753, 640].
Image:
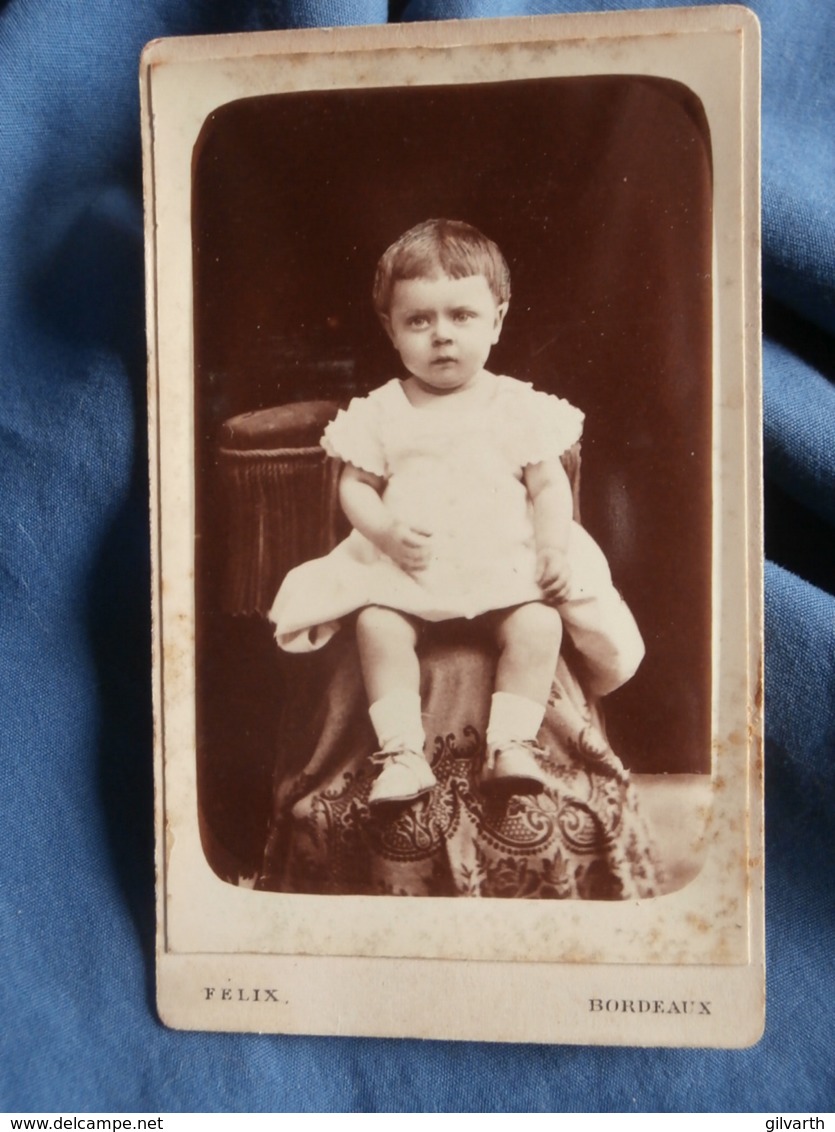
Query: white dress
[458, 476]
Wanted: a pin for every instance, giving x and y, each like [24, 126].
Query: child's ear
[501, 311]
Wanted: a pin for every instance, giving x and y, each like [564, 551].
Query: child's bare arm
[360, 496]
[553, 507]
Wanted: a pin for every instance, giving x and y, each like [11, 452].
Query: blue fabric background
[79, 1031]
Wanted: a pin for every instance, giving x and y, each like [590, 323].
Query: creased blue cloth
[79, 1030]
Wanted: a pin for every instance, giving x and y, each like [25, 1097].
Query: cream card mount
[612, 891]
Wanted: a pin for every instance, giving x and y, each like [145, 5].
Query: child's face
[443, 329]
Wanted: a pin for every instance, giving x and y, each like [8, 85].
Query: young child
[460, 507]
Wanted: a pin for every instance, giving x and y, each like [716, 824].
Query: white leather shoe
[514, 769]
[405, 775]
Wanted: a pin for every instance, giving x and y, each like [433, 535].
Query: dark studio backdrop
[598, 191]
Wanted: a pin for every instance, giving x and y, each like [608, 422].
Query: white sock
[513, 719]
[397, 721]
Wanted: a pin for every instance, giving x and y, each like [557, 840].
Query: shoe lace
[530, 745]
[400, 755]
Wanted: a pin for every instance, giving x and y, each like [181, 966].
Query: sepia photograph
[409, 629]
[457, 553]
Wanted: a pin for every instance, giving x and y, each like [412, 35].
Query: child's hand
[407, 546]
[553, 574]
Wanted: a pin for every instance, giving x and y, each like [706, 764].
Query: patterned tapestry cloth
[76, 901]
[582, 838]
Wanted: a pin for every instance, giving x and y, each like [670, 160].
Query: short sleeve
[543, 426]
[355, 436]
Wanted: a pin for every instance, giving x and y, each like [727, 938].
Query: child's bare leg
[387, 642]
[529, 639]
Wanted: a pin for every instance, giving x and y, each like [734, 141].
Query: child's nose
[443, 330]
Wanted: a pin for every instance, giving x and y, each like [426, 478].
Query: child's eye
[418, 321]
[463, 316]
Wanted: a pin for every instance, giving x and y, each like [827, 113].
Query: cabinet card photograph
[454, 416]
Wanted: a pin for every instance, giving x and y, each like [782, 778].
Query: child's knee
[380, 623]
[534, 629]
